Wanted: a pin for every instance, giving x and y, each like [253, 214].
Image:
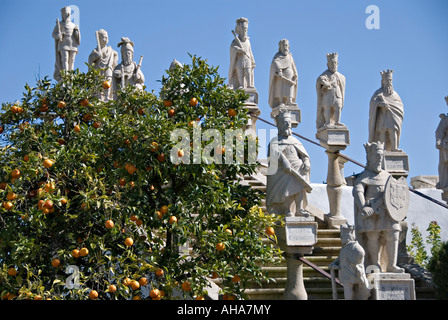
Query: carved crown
[386, 73]
[332, 56]
[373, 146]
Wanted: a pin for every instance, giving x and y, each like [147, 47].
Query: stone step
[277, 293]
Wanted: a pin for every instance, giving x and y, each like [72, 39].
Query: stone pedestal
[296, 238]
[334, 140]
[296, 115]
[396, 163]
[251, 105]
[391, 286]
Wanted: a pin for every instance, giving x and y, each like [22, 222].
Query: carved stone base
[333, 139]
[391, 286]
[396, 163]
[296, 115]
[445, 194]
[253, 97]
[334, 222]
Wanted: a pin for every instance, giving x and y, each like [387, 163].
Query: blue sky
[411, 40]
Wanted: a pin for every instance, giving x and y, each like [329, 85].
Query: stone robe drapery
[338, 85]
[393, 118]
[442, 145]
[281, 184]
[107, 61]
[279, 87]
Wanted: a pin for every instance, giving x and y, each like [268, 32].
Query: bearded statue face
[128, 57]
[387, 84]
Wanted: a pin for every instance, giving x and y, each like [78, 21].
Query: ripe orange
[270, 231]
[76, 253]
[96, 124]
[180, 153]
[8, 205]
[63, 201]
[112, 288]
[77, 128]
[154, 146]
[141, 111]
[161, 157]
[12, 272]
[62, 104]
[139, 222]
[106, 85]
[164, 209]
[171, 112]
[84, 102]
[220, 246]
[167, 103]
[11, 196]
[38, 297]
[109, 224]
[83, 252]
[193, 102]
[3, 186]
[130, 168]
[154, 293]
[49, 204]
[159, 272]
[15, 173]
[236, 279]
[128, 242]
[93, 294]
[134, 285]
[231, 112]
[55, 263]
[172, 219]
[48, 163]
[126, 281]
[143, 281]
[186, 286]
[200, 298]
[134, 218]
[26, 158]
[229, 231]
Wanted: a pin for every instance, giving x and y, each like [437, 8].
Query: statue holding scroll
[242, 63]
[67, 39]
[288, 177]
[104, 58]
[330, 87]
[128, 72]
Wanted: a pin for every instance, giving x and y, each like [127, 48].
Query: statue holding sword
[67, 39]
[104, 58]
[242, 63]
[288, 177]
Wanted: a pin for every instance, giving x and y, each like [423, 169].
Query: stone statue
[386, 114]
[350, 264]
[442, 145]
[283, 78]
[242, 63]
[377, 223]
[288, 172]
[67, 39]
[128, 72]
[330, 87]
[105, 58]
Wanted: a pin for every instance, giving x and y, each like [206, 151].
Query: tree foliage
[112, 161]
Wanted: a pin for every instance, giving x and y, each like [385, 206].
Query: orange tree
[90, 187]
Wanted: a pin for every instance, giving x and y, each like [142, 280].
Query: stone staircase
[325, 251]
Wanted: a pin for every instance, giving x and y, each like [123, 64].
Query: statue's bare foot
[395, 269]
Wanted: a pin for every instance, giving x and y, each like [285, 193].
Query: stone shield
[396, 198]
